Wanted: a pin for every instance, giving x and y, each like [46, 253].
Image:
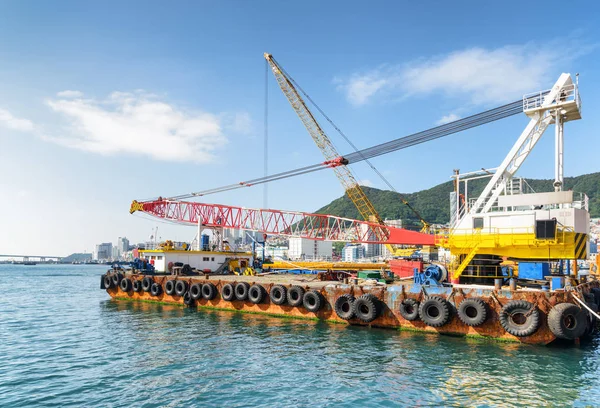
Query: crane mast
[332, 157]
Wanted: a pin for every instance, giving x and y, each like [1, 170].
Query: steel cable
[437, 132]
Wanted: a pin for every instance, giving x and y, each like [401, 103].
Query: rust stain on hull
[390, 296]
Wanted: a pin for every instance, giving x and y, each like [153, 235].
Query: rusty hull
[390, 295]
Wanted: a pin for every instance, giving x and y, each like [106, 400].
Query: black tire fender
[170, 287]
[567, 321]
[188, 300]
[592, 321]
[227, 292]
[125, 285]
[295, 296]
[278, 294]
[312, 301]
[147, 284]
[209, 291]
[155, 289]
[520, 318]
[434, 311]
[116, 278]
[137, 286]
[344, 306]
[108, 282]
[409, 309]
[596, 293]
[256, 294]
[473, 312]
[181, 287]
[196, 291]
[366, 308]
[241, 290]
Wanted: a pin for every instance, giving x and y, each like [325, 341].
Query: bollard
[498, 284]
[513, 284]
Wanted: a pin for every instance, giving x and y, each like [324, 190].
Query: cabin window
[152, 257]
[205, 259]
[477, 223]
[158, 258]
[545, 229]
[212, 259]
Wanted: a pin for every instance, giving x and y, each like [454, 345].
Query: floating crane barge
[505, 236]
[511, 315]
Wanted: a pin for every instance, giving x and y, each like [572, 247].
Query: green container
[369, 275]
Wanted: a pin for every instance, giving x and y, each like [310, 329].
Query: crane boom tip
[135, 206]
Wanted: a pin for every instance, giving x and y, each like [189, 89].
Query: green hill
[433, 204]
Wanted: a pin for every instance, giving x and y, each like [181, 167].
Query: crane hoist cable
[437, 132]
[347, 139]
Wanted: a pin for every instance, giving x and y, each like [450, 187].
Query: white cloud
[451, 117]
[70, 94]
[14, 123]
[138, 123]
[365, 182]
[361, 87]
[484, 76]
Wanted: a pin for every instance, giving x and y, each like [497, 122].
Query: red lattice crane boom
[277, 222]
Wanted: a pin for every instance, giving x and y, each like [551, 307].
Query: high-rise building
[115, 253]
[372, 250]
[353, 252]
[122, 246]
[103, 252]
[309, 249]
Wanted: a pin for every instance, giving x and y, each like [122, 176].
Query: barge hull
[390, 297]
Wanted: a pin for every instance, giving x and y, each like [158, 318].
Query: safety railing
[565, 94]
[580, 201]
[514, 236]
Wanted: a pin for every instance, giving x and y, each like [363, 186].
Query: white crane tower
[508, 218]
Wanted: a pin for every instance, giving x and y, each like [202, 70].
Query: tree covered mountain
[433, 204]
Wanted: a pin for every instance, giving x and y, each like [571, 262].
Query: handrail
[566, 93]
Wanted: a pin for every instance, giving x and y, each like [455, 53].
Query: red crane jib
[277, 222]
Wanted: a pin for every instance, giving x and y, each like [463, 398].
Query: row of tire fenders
[518, 317]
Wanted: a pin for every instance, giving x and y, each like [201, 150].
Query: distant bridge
[42, 258]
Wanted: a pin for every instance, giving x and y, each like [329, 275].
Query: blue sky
[102, 103]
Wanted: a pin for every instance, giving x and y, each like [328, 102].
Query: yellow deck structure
[336, 266]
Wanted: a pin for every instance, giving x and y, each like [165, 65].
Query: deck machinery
[508, 220]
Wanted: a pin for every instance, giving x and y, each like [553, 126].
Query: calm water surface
[65, 343]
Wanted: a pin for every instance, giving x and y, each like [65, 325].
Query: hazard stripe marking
[580, 245]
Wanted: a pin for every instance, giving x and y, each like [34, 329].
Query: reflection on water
[67, 343]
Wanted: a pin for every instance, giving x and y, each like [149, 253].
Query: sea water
[64, 342]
